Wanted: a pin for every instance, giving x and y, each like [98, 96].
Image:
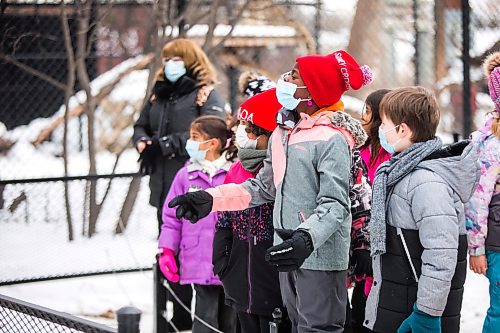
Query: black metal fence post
[466, 68]
[160, 300]
[129, 318]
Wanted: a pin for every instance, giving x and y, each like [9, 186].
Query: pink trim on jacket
[229, 197]
[380, 158]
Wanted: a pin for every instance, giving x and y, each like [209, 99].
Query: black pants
[210, 308]
[356, 315]
[180, 318]
[251, 323]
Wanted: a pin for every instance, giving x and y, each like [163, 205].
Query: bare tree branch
[212, 23]
[19, 39]
[70, 84]
[234, 20]
[35, 72]
[103, 93]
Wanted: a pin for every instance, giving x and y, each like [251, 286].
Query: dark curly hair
[256, 130]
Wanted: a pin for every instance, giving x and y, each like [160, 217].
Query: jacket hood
[346, 122]
[340, 120]
[458, 165]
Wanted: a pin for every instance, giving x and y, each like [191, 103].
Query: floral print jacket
[477, 209]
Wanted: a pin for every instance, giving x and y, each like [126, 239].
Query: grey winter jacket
[306, 172]
[430, 199]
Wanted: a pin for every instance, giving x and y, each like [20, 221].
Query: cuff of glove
[307, 238]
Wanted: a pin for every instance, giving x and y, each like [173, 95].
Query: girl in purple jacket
[211, 154]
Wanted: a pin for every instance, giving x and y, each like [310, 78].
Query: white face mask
[242, 139]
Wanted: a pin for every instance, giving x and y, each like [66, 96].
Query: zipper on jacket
[284, 142]
[249, 265]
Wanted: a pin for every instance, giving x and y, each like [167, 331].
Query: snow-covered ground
[92, 296]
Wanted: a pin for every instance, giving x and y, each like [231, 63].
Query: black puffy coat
[167, 116]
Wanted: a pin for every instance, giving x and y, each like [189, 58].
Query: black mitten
[363, 263]
[291, 254]
[192, 206]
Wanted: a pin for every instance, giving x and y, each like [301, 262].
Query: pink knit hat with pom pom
[492, 70]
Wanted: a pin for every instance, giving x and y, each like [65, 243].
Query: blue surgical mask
[193, 149]
[174, 69]
[285, 92]
[388, 147]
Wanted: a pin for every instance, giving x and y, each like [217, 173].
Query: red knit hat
[261, 109]
[327, 77]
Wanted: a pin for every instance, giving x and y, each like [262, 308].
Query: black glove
[363, 263]
[148, 157]
[192, 206]
[291, 254]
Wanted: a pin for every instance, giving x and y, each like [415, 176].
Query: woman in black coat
[182, 92]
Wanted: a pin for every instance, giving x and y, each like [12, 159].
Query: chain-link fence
[406, 42]
[35, 230]
[19, 316]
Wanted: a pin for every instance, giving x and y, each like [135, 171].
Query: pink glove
[368, 285]
[168, 266]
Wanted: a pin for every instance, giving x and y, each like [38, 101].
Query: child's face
[249, 134]
[205, 142]
[397, 135]
[366, 118]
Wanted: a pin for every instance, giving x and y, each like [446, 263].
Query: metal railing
[19, 316]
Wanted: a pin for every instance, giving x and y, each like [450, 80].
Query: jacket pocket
[189, 256]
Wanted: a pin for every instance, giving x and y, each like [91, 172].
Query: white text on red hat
[343, 69]
[245, 115]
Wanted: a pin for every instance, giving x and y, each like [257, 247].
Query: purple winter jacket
[193, 242]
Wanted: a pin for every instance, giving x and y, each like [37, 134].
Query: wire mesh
[37, 241]
[19, 316]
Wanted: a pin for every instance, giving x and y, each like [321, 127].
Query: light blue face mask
[285, 92]
[193, 150]
[174, 69]
[388, 147]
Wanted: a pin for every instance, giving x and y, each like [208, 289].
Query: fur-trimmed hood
[346, 122]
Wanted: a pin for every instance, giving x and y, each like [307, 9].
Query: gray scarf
[251, 159]
[388, 174]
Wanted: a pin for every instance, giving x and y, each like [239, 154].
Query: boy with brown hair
[417, 231]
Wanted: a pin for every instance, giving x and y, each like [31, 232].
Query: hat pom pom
[494, 86]
[367, 74]
[491, 62]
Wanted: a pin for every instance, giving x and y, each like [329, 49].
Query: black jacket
[493, 237]
[241, 240]
[167, 116]
[399, 289]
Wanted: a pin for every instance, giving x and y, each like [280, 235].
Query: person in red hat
[307, 174]
[242, 237]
